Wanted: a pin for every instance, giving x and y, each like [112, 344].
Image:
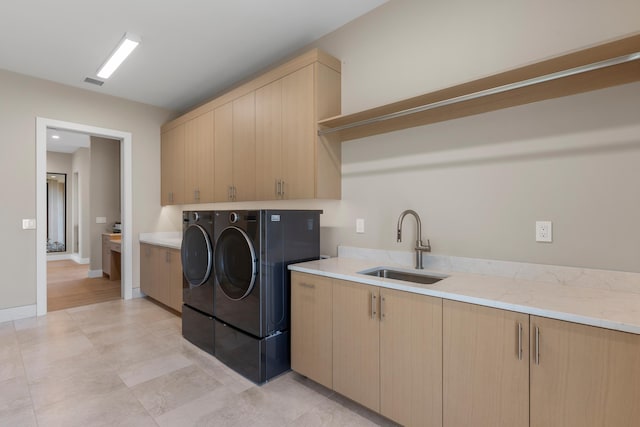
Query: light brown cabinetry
[235, 157]
[583, 376]
[198, 170]
[411, 358]
[263, 139]
[311, 327]
[161, 274]
[387, 351]
[172, 165]
[485, 366]
[292, 161]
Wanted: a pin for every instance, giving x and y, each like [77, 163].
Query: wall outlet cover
[544, 232]
[360, 225]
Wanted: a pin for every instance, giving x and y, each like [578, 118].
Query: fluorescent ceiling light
[124, 48]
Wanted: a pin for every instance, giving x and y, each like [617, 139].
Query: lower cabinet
[424, 361]
[386, 346]
[485, 366]
[161, 274]
[583, 376]
[311, 334]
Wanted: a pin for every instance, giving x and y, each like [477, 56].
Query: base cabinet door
[174, 279]
[583, 376]
[149, 270]
[356, 343]
[311, 327]
[411, 358]
[485, 366]
[161, 275]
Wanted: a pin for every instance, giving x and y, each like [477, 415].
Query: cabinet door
[311, 327]
[172, 166]
[356, 343]
[223, 151]
[485, 366]
[411, 358]
[583, 376]
[244, 148]
[298, 134]
[149, 270]
[198, 173]
[173, 280]
[106, 255]
[269, 141]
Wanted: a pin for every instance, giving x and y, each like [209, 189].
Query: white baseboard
[137, 293]
[16, 313]
[78, 260]
[94, 273]
[58, 257]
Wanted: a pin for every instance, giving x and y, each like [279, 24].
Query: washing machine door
[197, 255]
[235, 263]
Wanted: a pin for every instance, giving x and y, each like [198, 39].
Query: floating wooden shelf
[598, 67]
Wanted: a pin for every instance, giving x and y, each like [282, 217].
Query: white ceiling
[191, 50]
[67, 141]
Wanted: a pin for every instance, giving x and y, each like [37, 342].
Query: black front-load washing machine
[198, 279]
[252, 285]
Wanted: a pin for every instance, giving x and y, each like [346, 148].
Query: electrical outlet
[360, 225]
[544, 231]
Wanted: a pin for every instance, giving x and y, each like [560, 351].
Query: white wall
[480, 183]
[105, 193]
[25, 98]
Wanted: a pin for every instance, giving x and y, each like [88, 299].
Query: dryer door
[197, 255]
[235, 263]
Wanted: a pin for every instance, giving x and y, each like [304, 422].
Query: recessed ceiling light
[55, 136]
[124, 48]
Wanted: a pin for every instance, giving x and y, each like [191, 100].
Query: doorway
[125, 138]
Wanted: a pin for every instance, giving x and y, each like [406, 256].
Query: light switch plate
[29, 224]
[544, 231]
[360, 225]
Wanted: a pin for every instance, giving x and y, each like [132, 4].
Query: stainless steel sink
[407, 276]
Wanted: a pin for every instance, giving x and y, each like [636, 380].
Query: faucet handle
[423, 248]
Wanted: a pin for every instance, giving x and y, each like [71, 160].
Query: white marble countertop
[612, 309]
[168, 239]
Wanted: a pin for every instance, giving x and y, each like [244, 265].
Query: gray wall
[25, 98]
[105, 193]
[480, 183]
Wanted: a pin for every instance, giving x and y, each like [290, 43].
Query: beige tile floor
[125, 363]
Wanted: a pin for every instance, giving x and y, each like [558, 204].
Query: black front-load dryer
[251, 295]
[198, 279]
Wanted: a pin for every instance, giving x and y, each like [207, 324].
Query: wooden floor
[68, 286]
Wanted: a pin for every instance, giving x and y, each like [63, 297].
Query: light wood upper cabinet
[244, 148]
[235, 157]
[223, 151]
[583, 376]
[265, 143]
[311, 327]
[411, 358]
[199, 167]
[485, 366]
[356, 343]
[172, 165]
[269, 141]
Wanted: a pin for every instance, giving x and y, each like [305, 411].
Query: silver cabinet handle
[382, 313]
[519, 341]
[373, 305]
[277, 182]
[230, 193]
[233, 191]
[537, 345]
[282, 188]
[308, 285]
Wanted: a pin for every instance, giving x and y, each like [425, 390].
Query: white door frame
[125, 138]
